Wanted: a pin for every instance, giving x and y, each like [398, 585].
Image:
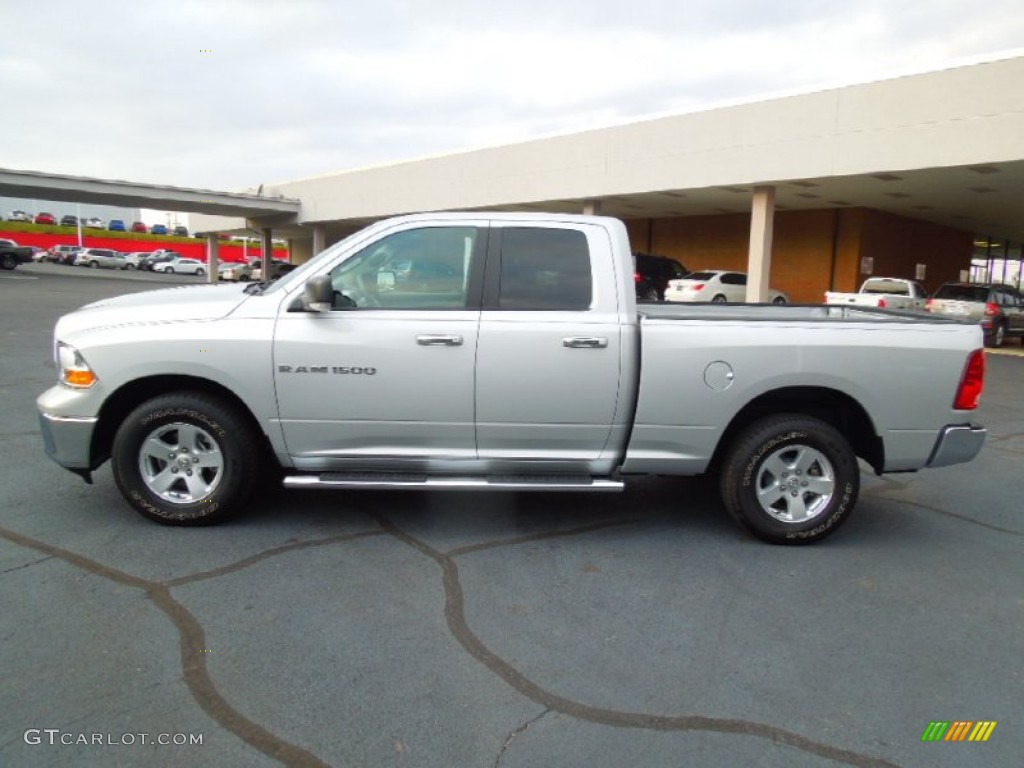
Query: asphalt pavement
[497, 631]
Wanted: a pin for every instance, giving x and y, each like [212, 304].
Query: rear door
[385, 379]
[548, 359]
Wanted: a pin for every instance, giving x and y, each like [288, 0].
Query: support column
[267, 252]
[592, 207]
[213, 256]
[759, 259]
[319, 239]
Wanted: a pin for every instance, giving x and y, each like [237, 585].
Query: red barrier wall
[227, 252]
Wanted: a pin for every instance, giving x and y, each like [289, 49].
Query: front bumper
[957, 444]
[68, 439]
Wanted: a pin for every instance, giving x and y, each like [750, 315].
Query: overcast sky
[229, 94]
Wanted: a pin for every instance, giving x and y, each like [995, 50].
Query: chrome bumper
[67, 439]
[955, 445]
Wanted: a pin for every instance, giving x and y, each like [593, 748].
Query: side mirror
[319, 294]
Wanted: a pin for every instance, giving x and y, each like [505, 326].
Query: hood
[193, 302]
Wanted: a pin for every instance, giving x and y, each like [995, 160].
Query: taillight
[882, 304]
[991, 310]
[928, 305]
[971, 382]
[636, 277]
[696, 287]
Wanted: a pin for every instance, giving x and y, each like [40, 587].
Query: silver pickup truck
[501, 352]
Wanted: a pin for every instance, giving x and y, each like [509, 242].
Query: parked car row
[166, 261]
[114, 225]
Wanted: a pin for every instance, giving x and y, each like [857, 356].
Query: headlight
[72, 369]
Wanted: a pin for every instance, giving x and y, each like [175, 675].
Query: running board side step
[414, 481]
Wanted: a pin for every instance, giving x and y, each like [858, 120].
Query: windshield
[700, 276]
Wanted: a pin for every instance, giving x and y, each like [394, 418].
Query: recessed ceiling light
[897, 194]
[808, 195]
[838, 202]
[981, 190]
[735, 190]
[804, 184]
[887, 177]
[984, 169]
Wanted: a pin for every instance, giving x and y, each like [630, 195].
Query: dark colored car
[181, 231]
[159, 257]
[45, 218]
[156, 229]
[653, 273]
[116, 225]
[69, 221]
[998, 308]
[138, 226]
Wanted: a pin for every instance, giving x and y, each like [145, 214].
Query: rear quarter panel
[904, 374]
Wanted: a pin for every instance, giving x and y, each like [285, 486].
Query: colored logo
[958, 730]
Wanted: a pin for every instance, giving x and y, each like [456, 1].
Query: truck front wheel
[790, 479]
[185, 458]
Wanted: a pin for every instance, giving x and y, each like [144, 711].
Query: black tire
[200, 271]
[779, 300]
[190, 425]
[8, 261]
[785, 467]
[997, 338]
[648, 294]
[719, 299]
[94, 265]
[169, 270]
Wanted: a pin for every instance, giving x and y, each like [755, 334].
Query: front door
[385, 379]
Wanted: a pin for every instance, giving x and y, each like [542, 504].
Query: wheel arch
[833, 407]
[129, 396]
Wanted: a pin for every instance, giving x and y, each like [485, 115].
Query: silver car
[100, 257]
[999, 309]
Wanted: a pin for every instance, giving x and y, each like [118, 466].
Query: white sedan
[181, 267]
[716, 286]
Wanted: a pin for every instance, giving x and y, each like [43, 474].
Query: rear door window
[542, 268]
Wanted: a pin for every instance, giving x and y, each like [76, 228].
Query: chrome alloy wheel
[795, 484]
[181, 463]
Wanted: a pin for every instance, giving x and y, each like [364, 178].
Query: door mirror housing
[319, 294]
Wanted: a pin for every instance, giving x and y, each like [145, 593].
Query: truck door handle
[585, 342]
[438, 340]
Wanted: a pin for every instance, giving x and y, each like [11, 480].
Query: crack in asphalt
[266, 554]
[948, 513]
[458, 625]
[517, 732]
[192, 638]
[531, 537]
[27, 565]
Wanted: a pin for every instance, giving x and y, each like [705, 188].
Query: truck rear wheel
[790, 479]
[8, 261]
[186, 458]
